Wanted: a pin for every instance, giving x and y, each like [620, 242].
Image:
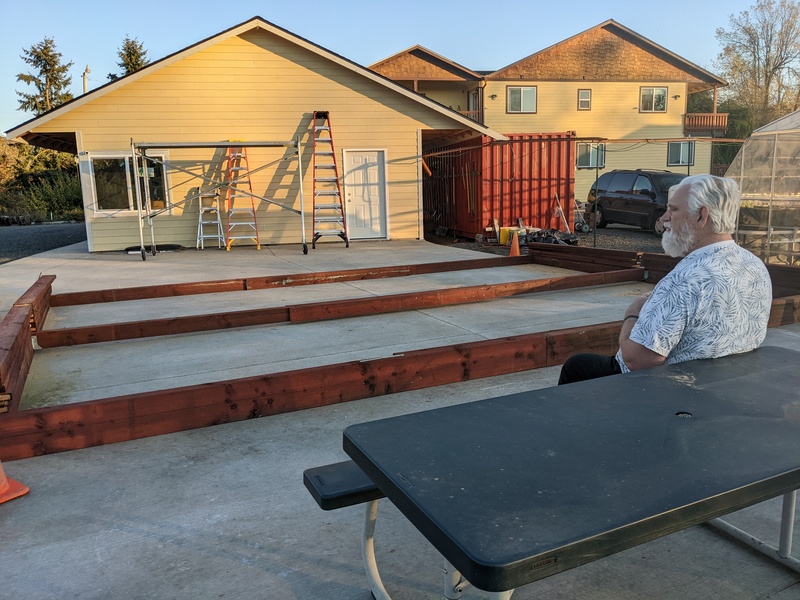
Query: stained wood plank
[336, 309]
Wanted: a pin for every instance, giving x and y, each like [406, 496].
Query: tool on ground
[560, 212]
[580, 220]
[329, 215]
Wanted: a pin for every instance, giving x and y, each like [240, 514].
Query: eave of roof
[256, 22]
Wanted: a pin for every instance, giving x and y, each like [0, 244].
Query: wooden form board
[319, 311]
[80, 425]
[16, 340]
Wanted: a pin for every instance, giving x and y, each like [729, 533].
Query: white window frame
[594, 150]
[686, 154]
[129, 180]
[653, 89]
[585, 103]
[530, 89]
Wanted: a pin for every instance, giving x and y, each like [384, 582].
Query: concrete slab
[221, 512]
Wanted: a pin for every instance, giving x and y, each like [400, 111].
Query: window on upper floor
[521, 99]
[680, 154]
[653, 99]
[113, 178]
[590, 156]
[584, 99]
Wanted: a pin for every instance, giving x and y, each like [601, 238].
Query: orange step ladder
[242, 223]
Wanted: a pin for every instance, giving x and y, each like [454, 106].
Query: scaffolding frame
[142, 182]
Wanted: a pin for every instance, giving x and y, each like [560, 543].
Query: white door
[365, 193]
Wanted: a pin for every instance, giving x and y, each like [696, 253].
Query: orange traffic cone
[514, 245]
[10, 489]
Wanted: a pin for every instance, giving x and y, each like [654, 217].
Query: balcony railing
[714, 124]
[475, 115]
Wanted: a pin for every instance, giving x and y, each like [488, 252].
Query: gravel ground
[19, 241]
[613, 237]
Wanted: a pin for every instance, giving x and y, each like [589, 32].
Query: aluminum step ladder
[209, 222]
[242, 223]
[329, 216]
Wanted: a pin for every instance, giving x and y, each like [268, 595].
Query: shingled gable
[608, 52]
[419, 63]
[66, 142]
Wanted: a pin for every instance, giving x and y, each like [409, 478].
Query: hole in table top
[683, 413]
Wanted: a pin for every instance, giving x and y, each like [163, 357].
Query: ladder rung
[326, 179]
[326, 193]
[324, 166]
[320, 232]
[326, 140]
[237, 168]
[327, 219]
[328, 206]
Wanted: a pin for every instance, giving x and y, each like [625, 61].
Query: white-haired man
[715, 302]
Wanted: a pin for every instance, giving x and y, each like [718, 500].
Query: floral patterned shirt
[715, 302]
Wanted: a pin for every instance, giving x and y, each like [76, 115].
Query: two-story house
[623, 96]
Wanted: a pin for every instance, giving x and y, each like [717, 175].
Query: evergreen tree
[50, 79]
[132, 57]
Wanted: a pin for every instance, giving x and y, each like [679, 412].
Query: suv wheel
[655, 225]
[599, 220]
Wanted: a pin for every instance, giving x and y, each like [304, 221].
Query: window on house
[680, 154]
[584, 99]
[590, 156]
[653, 99]
[521, 99]
[113, 178]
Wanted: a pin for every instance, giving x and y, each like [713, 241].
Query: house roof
[790, 122]
[608, 52]
[65, 141]
[420, 63]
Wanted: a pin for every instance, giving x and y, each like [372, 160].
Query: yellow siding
[614, 115]
[253, 87]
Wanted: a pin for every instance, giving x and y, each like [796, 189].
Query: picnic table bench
[514, 489]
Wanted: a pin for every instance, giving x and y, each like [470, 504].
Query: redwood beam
[274, 281]
[81, 425]
[337, 309]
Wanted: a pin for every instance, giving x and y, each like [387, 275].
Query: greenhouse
[767, 169]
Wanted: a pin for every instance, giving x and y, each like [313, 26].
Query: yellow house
[258, 85]
[624, 96]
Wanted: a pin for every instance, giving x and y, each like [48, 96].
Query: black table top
[517, 488]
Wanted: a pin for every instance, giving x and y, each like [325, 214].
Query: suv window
[622, 183]
[664, 181]
[643, 186]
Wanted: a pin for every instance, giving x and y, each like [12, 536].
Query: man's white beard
[678, 242]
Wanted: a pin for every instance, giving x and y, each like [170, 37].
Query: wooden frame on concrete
[54, 429]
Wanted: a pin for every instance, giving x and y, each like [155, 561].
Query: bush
[43, 195]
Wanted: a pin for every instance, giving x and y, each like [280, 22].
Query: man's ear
[702, 217]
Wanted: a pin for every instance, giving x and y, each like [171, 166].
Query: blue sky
[481, 35]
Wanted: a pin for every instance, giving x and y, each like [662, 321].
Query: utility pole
[86, 72]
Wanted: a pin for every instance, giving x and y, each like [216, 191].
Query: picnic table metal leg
[787, 524]
[455, 584]
[368, 552]
[782, 554]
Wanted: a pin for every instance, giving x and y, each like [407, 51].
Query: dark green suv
[630, 197]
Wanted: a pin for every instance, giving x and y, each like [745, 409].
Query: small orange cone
[10, 489]
[514, 245]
